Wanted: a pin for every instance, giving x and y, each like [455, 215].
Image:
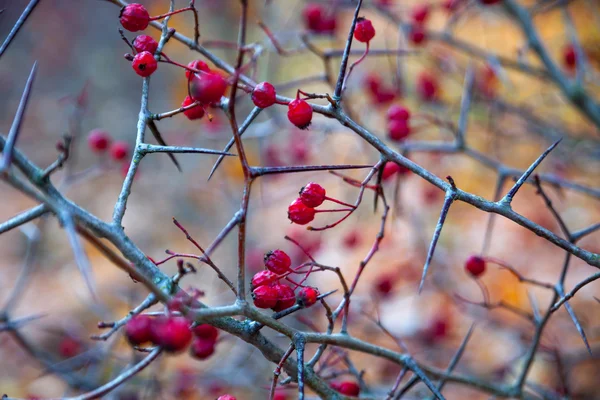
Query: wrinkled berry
[364, 30]
[144, 64]
[263, 95]
[312, 195]
[285, 297]
[134, 17]
[263, 278]
[278, 261]
[265, 297]
[307, 296]
[300, 213]
[145, 43]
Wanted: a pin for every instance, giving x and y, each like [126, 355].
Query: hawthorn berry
[475, 266]
[134, 17]
[263, 278]
[69, 347]
[451, 5]
[263, 95]
[570, 57]
[312, 195]
[398, 130]
[226, 397]
[208, 88]
[98, 140]
[364, 30]
[420, 13]
[138, 330]
[300, 113]
[348, 388]
[193, 113]
[427, 87]
[202, 348]
[172, 333]
[300, 213]
[278, 262]
[307, 296]
[119, 150]
[206, 331]
[145, 43]
[351, 239]
[196, 64]
[383, 285]
[317, 20]
[144, 64]
[285, 297]
[390, 169]
[398, 113]
[265, 296]
[417, 35]
[437, 330]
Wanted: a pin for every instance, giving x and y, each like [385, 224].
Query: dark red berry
[196, 64]
[208, 87]
[263, 95]
[489, 2]
[206, 331]
[313, 15]
[364, 31]
[138, 330]
[373, 83]
[327, 25]
[451, 5]
[193, 113]
[144, 64]
[119, 151]
[427, 87]
[145, 43]
[390, 169]
[348, 388]
[300, 213]
[417, 35]
[398, 113]
[351, 239]
[98, 140]
[278, 261]
[263, 278]
[173, 333]
[202, 348]
[570, 57]
[437, 329]
[69, 347]
[300, 113]
[307, 296]
[312, 195]
[285, 297]
[134, 17]
[398, 130]
[420, 13]
[265, 297]
[383, 285]
[475, 266]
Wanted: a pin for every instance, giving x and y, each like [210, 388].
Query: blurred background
[85, 83]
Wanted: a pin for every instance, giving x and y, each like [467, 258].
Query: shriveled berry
[119, 150]
[420, 13]
[173, 333]
[348, 388]
[398, 113]
[307, 296]
[193, 113]
[417, 35]
[300, 213]
[263, 95]
[226, 397]
[134, 17]
[138, 330]
[427, 87]
[570, 57]
[285, 297]
[278, 261]
[364, 30]
[398, 130]
[475, 266]
[202, 348]
[206, 331]
[208, 87]
[265, 297]
[263, 278]
[145, 43]
[144, 64]
[196, 64]
[98, 140]
[300, 113]
[312, 195]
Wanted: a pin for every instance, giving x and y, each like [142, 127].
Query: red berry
[300, 213]
[383, 285]
[398, 113]
[570, 57]
[364, 31]
[398, 130]
[285, 297]
[348, 388]
[390, 169]
[312, 195]
[300, 113]
[202, 348]
[196, 64]
[134, 17]
[313, 15]
[278, 261]
[451, 5]
[265, 297]
[173, 333]
[69, 347]
[437, 329]
[417, 35]
[144, 64]
[420, 13]
[373, 83]
[384, 96]
[145, 43]
[206, 331]
[98, 140]
[226, 397]
[193, 113]
[427, 87]
[119, 150]
[263, 278]
[327, 25]
[475, 266]
[208, 88]
[138, 329]
[307, 296]
[351, 239]
[263, 95]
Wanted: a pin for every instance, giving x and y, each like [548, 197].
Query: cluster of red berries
[100, 141]
[269, 292]
[302, 210]
[173, 334]
[475, 266]
[398, 118]
[419, 16]
[348, 388]
[319, 20]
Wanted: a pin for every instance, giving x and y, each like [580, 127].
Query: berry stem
[161, 16]
[339, 202]
[354, 64]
